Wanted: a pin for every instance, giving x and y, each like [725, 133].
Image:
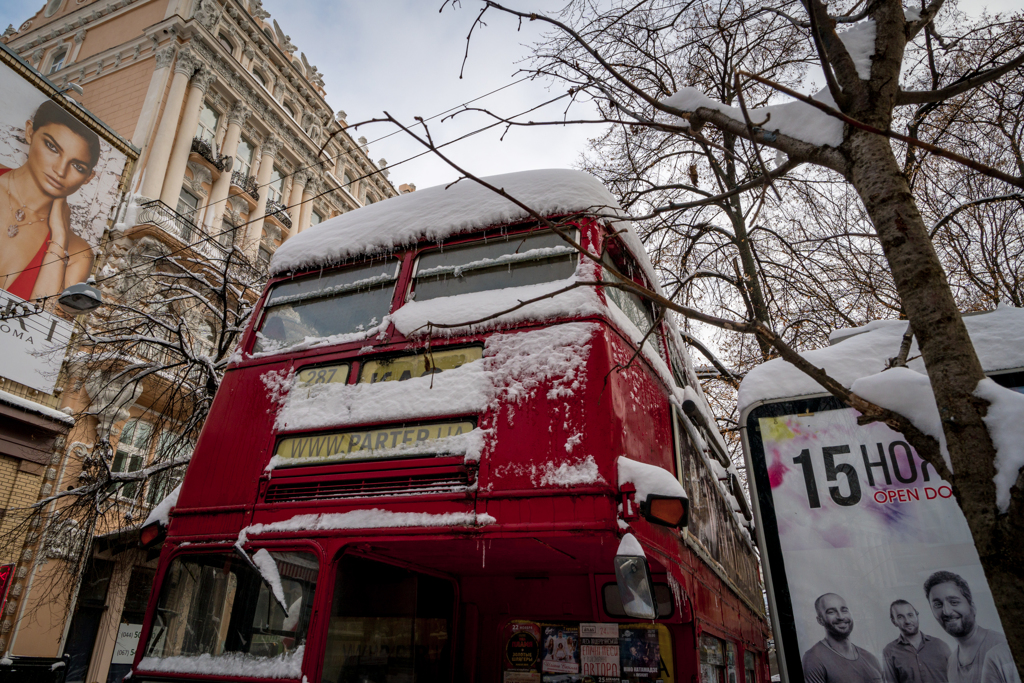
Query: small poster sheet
[639, 654]
[522, 653]
[561, 650]
[127, 641]
[599, 652]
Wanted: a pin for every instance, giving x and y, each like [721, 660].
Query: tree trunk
[954, 371]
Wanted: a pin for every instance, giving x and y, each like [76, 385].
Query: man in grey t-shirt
[982, 656]
[834, 659]
[914, 657]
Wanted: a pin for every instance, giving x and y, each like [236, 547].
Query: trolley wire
[209, 236]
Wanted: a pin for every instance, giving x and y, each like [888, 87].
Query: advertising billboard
[59, 181]
[872, 571]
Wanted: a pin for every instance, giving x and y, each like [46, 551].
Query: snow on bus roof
[439, 212]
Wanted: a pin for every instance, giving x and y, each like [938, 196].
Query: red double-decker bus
[447, 452]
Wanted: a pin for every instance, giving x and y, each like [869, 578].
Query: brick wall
[117, 98]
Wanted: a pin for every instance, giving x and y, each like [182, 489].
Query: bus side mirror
[666, 510]
[633, 575]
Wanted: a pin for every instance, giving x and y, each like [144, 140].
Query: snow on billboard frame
[888, 503]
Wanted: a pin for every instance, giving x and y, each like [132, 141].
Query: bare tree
[146, 368]
[899, 71]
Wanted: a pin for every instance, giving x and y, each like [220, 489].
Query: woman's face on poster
[58, 159]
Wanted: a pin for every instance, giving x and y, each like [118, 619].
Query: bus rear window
[388, 624]
[345, 301]
[497, 263]
[221, 606]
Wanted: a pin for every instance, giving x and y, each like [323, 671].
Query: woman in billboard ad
[58, 182]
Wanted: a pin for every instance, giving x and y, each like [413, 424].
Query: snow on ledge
[630, 547]
[287, 665]
[367, 519]
[38, 408]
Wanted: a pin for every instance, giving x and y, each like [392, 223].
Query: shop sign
[127, 640]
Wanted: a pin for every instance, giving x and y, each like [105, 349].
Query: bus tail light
[666, 510]
[633, 575]
[150, 535]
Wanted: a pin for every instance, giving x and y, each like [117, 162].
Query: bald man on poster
[834, 659]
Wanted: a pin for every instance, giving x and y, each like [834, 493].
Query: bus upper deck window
[345, 301]
[217, 604]
[639, 311]
[496, 263]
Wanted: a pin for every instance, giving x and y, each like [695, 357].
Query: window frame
[133, 452]
[226, 43]
[242, 163]
[201, 128]
[55, 64]
[470, 240]
[321, 594]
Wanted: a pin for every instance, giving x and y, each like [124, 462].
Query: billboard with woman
[60, 178]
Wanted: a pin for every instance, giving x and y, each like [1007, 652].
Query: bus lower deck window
[217, 604]
[388, 623]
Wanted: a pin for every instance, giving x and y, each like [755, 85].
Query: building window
[260, 79]
[227, 233]
[276, 185]
[315, 218]
[207, 129]
[264, 256]
[170, 447]
[228, 45]
[269, 34]
[58, 59]
[347, 179]
[244, 157]
[132, 449]
[188, 205]
[51, 7]
[291, 111]
[370, 198]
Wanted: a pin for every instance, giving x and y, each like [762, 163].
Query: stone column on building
[151, 105]
[163, 141]
[237, 117]
[299, 179]
[271, 146]
[311, 190]
[186, 132]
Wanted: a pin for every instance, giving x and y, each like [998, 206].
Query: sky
[404, 57]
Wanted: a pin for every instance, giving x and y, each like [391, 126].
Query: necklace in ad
[17, 214]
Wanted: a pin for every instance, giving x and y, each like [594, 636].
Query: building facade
[237, 151]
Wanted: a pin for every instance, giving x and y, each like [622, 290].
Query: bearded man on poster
[834, 659]
[982, 655]
[914, 657]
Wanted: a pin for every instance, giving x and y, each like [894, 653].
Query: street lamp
[81, 298]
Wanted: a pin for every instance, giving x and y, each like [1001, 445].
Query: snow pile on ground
[439, 212]
[367, 519]
[287, 665]
[1005, 422]
[568, 474]
[514, 366]
[648, 480]
[795, 119]
[162, 512]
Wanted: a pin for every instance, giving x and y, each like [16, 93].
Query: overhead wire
[209, 236]
[320, 164]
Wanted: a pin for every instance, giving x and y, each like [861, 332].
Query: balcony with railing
[183, 227]
[205, 149]
[247, 183]
[279, 211]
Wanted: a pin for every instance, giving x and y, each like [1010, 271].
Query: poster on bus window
[883, 577]
[561, 650]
